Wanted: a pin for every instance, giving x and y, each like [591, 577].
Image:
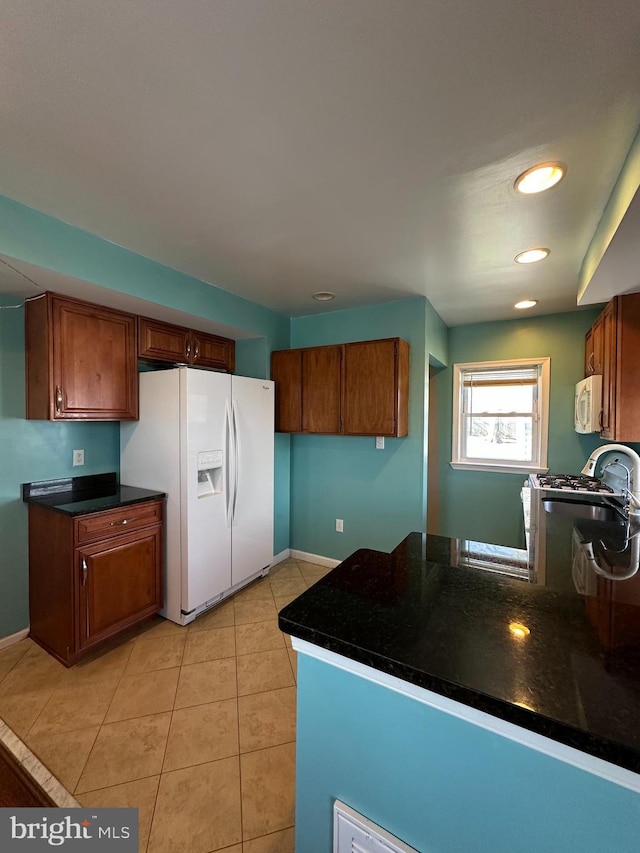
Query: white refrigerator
[206, 439]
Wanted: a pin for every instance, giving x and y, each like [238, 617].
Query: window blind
[524, 375]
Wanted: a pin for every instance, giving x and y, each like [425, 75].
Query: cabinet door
[626, 369]
[370, 401]
[212, 351]
[120, 583]
[597, 344]
[588, 353]
[286, 372]
[321, 384]
[593, 349]
[609, 342]
[94, 362]
[162, 341]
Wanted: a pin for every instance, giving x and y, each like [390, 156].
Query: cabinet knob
[59, 399]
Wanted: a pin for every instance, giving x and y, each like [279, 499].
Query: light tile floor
[194, 726]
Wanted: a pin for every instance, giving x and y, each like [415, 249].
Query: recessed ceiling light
[324, 296]
[531, 256]
[540, 178]
[526, 303]
[518, 630]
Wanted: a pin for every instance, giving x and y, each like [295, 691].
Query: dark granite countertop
[82, 495]
[535, 637]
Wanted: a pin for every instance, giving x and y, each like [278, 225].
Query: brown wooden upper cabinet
[80, 361]
[348, 389]
[593, 349]
[612, 347]
[159, 341]
[286, 372]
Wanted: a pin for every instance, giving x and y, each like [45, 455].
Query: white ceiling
[368, 147]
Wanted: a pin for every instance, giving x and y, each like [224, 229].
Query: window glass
[500, 415]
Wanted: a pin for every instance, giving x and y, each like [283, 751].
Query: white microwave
[588, 404]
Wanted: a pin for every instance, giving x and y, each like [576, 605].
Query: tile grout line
[235, 642]
[166, 745]
[101, 726]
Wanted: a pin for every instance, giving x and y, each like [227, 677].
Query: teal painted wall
[35, 450]
[380, 494]
[436, 337]
[438, 783]
[484, 505]
[40, 239]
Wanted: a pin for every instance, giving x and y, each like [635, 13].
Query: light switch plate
[380, 442]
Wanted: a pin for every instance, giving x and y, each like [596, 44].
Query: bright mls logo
[69, 829]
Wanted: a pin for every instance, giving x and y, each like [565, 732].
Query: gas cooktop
[573, 483]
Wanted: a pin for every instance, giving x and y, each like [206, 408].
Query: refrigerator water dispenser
[209, 473]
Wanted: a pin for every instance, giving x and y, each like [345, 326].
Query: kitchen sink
[577, 509]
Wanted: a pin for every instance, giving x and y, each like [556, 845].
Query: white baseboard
[278, 558]
[13, 638]
[314, 558]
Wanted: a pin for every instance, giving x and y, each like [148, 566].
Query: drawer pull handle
[197, 352]
[85, 570]
[188, 350]
[118, 523]
[59, 399]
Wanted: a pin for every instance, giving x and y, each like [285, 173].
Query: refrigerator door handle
[229, 454]
[236, 459]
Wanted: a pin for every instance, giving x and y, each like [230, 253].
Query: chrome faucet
[633, 479]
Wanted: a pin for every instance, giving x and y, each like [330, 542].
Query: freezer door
[205, 420]
[252, 486]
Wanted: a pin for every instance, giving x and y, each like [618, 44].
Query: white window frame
[539, 451]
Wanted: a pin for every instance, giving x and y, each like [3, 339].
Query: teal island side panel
[440, 783]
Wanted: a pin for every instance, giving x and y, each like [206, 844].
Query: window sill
[498, 468]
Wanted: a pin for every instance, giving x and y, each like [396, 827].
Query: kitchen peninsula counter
[479, 625]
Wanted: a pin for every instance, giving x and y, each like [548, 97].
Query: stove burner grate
[574, 482]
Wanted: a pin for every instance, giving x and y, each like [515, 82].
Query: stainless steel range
[576, 484]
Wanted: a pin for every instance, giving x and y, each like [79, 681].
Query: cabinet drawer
[115, 522]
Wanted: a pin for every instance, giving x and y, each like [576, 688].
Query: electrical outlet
[380, 442]
[78, 457]
[339, 525]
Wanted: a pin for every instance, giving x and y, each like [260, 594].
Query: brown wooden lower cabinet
[18, 789]
[93, 576]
